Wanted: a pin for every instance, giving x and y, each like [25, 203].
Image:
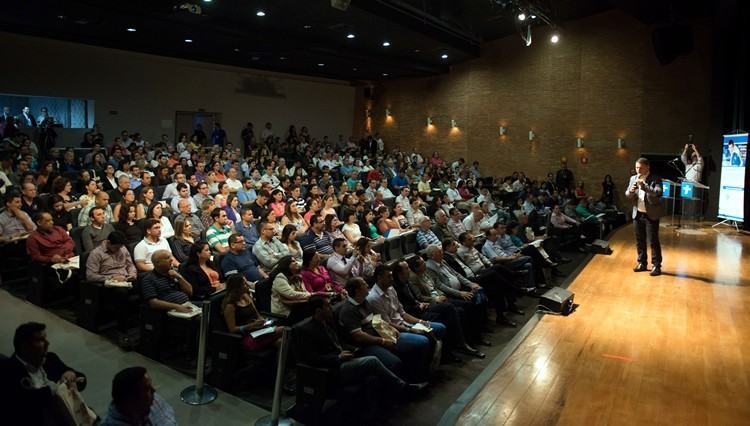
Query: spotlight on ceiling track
[554, 39]
[521, 16]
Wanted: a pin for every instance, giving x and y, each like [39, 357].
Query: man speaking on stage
[644, 191]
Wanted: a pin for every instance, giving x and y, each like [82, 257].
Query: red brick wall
[601, 82]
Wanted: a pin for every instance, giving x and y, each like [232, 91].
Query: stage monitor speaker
[671, 41]
[600, 247]
[557, 300]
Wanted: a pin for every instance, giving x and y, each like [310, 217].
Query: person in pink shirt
[315, 277]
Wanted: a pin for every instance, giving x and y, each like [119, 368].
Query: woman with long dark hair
[287, 291]
[315, 276]
[241, 315]
[60, 216]
[128, 225]
[183, 239]
[128, 199]
[289, 238]
[200, 271]
[156, 211]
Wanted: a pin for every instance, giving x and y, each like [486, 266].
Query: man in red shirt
[49, 244]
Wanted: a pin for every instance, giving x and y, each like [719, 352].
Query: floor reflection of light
[728, 257]
[540, 365]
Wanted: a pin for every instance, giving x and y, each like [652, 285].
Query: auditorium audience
[277, 214]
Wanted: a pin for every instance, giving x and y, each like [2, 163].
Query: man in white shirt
[171, 190]
[403, 199]
[150, 244]
[339, 266]
[233, 183]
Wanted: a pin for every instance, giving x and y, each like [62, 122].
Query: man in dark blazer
[26, 119]
[644, 191]
[30, 378]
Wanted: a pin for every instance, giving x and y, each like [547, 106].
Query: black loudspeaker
[600, 247]
[672, 41]
[557, 300]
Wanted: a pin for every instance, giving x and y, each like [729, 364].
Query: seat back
[76, 234]
[393, 249]
[263, 295]
[74, 216]
[409, 243]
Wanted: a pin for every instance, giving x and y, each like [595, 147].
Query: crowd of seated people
[312, 219]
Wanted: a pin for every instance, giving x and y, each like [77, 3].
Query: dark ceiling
[306, 37]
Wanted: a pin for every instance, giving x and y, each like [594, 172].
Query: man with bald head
[164, 288]
[101, 201]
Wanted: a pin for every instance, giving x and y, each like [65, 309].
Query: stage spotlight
[554, 39]
[350, 36]
[260, 13]
[521, 16]
[444, 56]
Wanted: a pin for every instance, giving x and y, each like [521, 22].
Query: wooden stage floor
[673, 349]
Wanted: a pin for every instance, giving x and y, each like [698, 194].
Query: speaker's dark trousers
[645, 227]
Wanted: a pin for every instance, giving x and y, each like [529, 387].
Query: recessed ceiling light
[283, 58]
[321, 64]
[521, 16]
[236, 49]
[417, 50]
[355, 69]
[260, 13]
[188, 40]
[444, 56]
[307, 27]
[554, 39]
[386, 43]
[385, 74]
[350, 36]
[131, 30]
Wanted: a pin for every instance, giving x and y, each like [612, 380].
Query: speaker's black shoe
[641, 267]
[656, 271]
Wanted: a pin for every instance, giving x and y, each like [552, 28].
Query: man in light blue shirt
[247, 194]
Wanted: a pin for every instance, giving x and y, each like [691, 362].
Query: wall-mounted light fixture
[387, 112]
[368, 113]
[620, 143]
[579, 143]
[503, 130]
[429, 121]
[454, 123]
[531, 135]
